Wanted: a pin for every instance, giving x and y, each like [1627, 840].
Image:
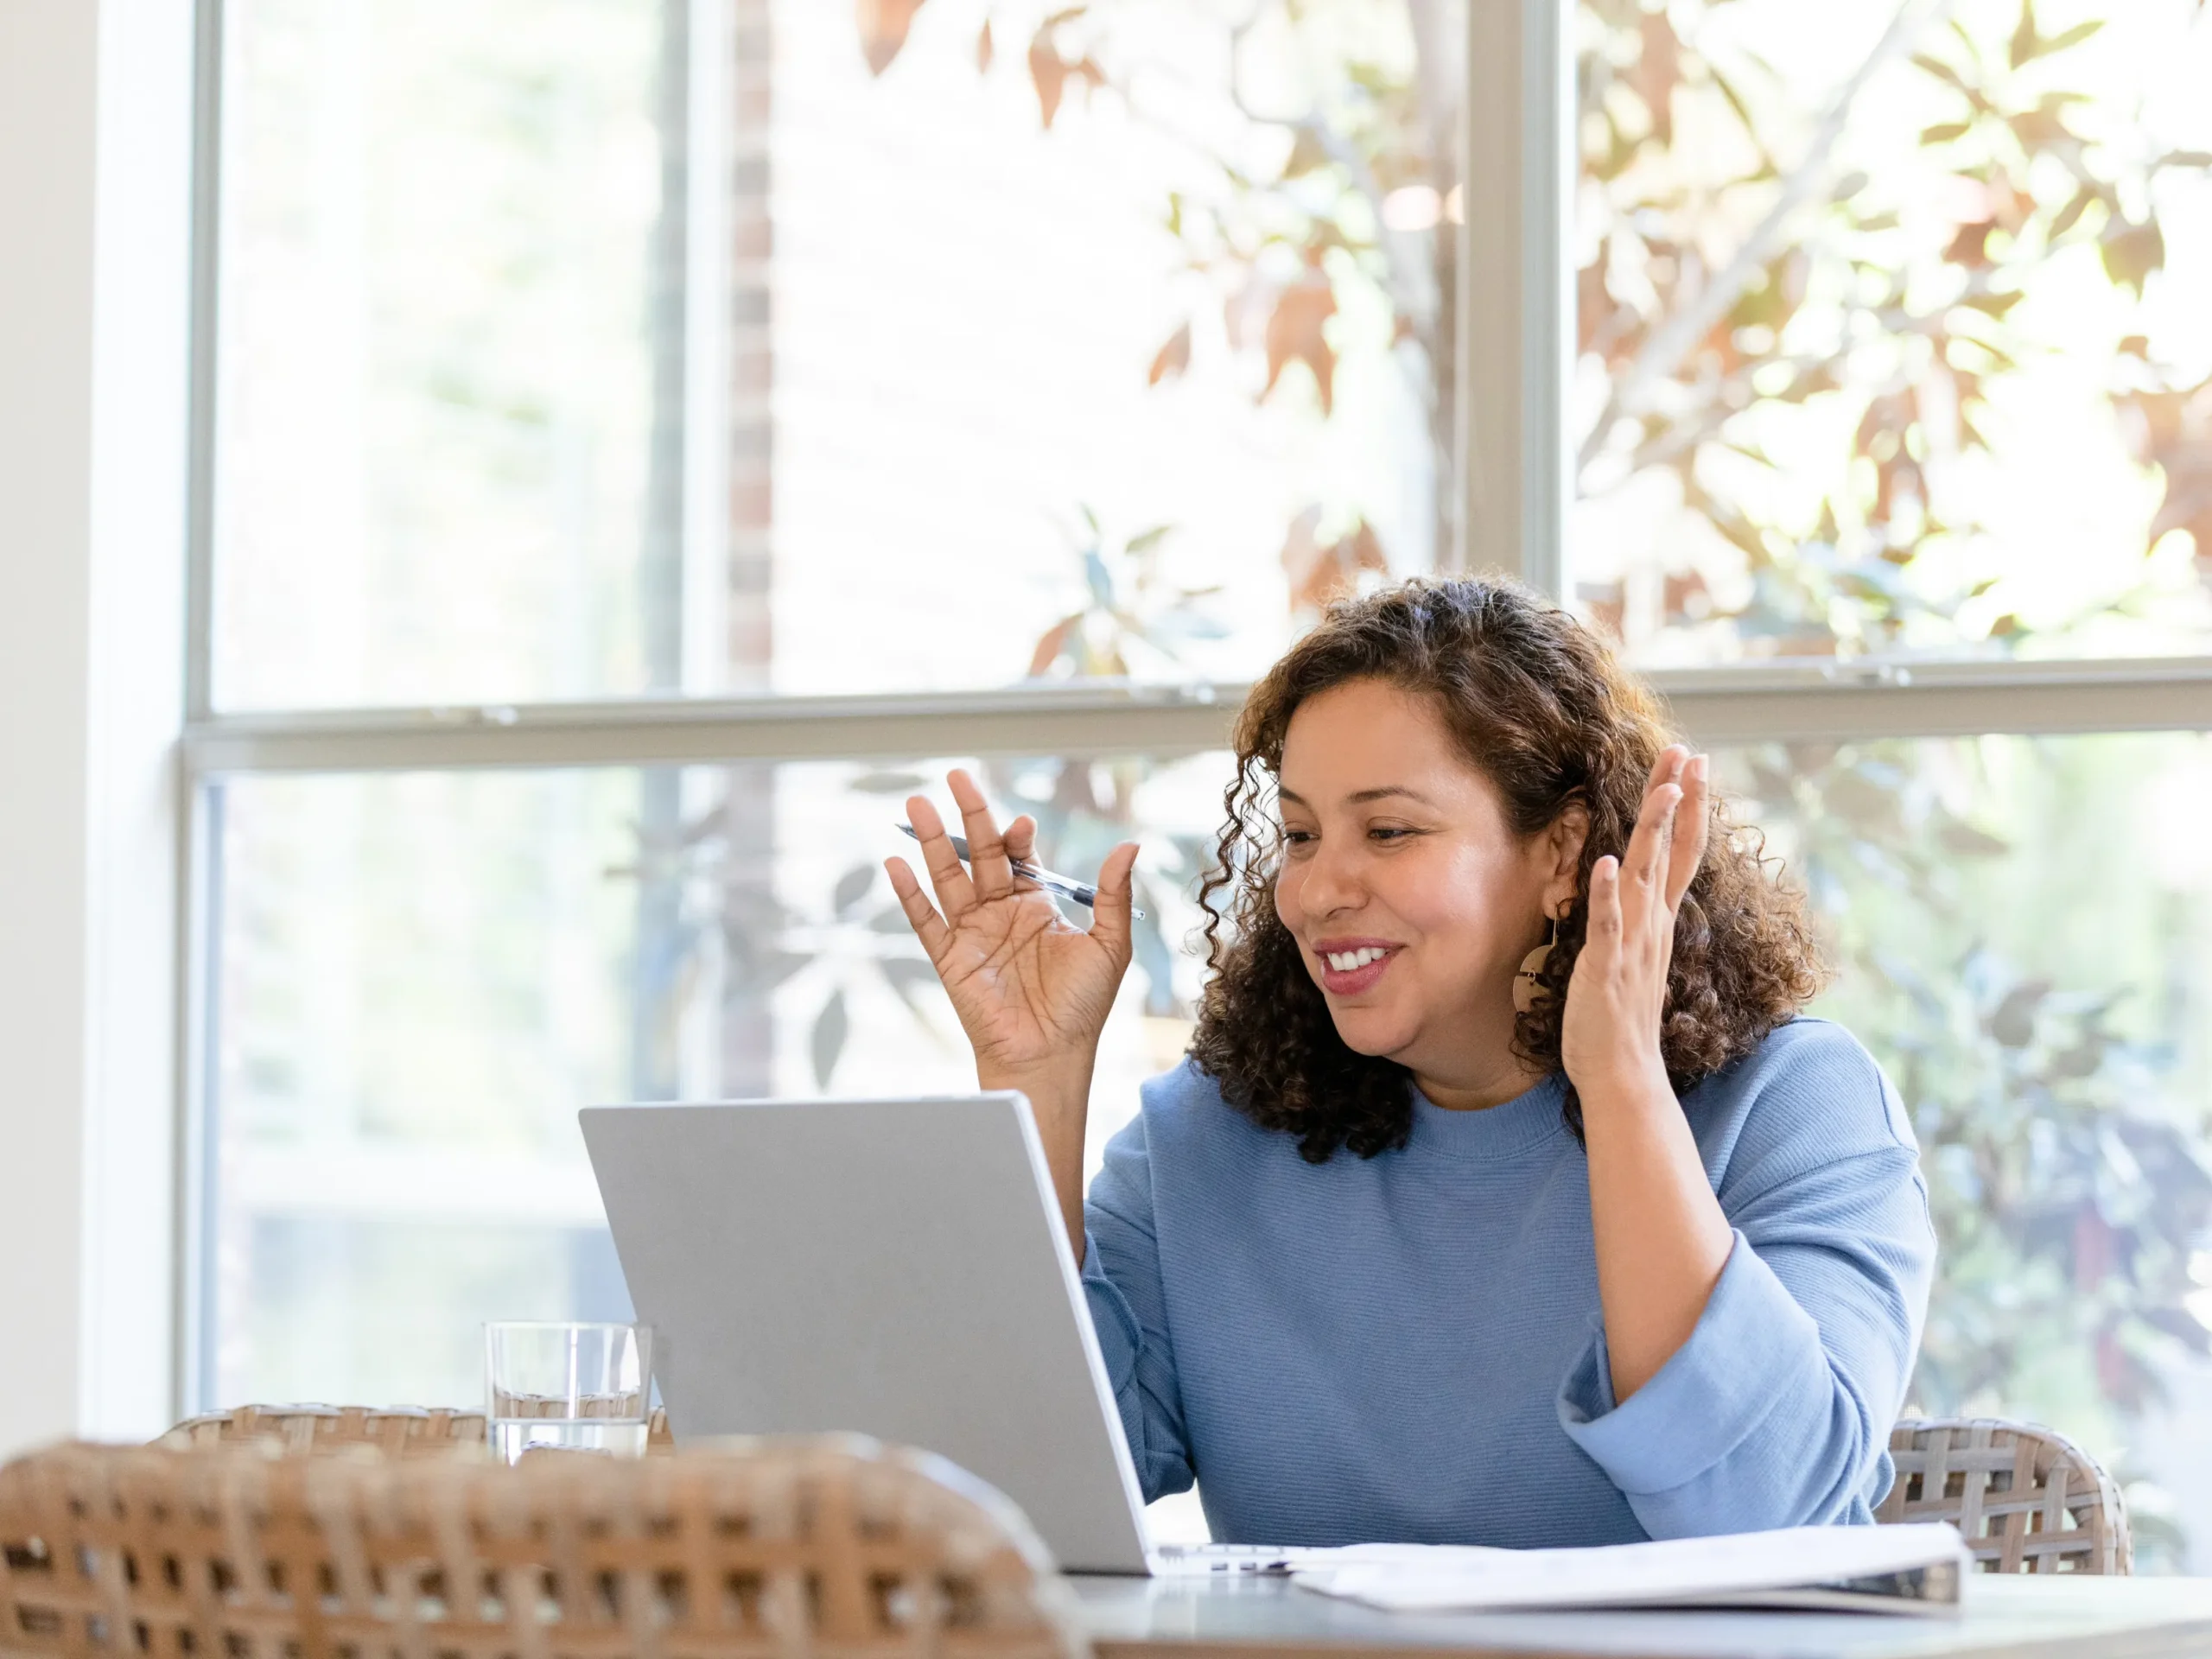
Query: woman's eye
[1298, 837]
[1382, 833]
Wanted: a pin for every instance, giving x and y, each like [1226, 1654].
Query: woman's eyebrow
[1360, 797]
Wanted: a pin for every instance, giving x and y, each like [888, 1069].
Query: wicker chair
[397, 1431]
[2026, 1499]
[746, 1550]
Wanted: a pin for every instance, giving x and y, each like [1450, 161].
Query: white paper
[1440, 1577]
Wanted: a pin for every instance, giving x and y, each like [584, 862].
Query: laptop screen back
[895, 1268]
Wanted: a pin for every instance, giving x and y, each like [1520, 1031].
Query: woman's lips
[1350, 982]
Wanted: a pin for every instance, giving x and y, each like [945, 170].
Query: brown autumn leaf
[1319, 571]
[883, 25]
[985, 49]
[1684, 596]
[1049, 73]
[1593, 300]
[1294, 334]
[2172, 431]
[1244, 313]
[1656, 73]
[1607, 604]
[1049, 646]
[1970, 247]
[1173, 358]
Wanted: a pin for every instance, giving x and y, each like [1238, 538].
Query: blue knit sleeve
[1121, 1278]
[1776, 1411]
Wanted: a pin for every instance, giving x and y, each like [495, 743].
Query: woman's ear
[1564, 841]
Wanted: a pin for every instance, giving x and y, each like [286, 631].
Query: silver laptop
[894, 1267]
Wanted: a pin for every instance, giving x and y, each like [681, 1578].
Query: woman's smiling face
[1411, 897]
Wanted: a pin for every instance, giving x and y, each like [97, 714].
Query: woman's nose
[1331, 882]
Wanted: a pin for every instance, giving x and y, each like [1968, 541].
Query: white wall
[94, 119]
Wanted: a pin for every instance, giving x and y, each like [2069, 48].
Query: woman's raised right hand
[1032, 990]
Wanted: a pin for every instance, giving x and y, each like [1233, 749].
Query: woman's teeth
[1345, 961]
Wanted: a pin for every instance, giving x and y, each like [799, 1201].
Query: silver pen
[1066, 887]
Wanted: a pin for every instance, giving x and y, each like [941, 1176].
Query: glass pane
[448, 464]
[424, 976]
[2052, 1039]
[1889, 334]
[636, 345]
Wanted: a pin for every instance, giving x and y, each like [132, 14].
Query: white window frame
[140, 1321]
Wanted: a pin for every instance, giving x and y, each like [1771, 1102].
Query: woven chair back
[397, 1431]
[2026, 1499]
[747, 1550]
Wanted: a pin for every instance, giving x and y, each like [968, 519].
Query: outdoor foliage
[2068, 1173]
[1343, 240]
[1811, 323]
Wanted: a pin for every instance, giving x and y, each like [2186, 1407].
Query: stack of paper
[1912, 1569]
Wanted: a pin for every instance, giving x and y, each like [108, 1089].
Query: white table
[1268, 1618]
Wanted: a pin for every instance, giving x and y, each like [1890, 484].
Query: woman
[1393, 1255]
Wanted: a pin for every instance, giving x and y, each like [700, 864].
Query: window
[1882, 343]
[643, 439]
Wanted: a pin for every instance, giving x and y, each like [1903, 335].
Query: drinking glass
[567, 1386]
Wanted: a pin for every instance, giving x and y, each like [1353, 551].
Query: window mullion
[1516, 290]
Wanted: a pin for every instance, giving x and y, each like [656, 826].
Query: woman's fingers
[988, 868]
[921, 915]
[1021, 840]
[1602, 939]
[1667, 768]
[1109, 917]
[1692, 820]
[1644, 864]
[955, 893]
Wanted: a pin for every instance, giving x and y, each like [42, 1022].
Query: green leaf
[827, 1041]
[888, 783]
[755, 972]
[1968, 841]
[912, 978]
[1945, 132]
[2025, 42]
[1993, 305]
[2014, 1022]
[2132, 252]
[852, 887]
[2072, 36]
[1941, 70]
[1735, 101]
[2070, 214]
[1145, 540]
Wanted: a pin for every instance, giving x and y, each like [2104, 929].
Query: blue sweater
[1409, 1348]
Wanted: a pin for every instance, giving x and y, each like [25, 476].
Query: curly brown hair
[1538, 704]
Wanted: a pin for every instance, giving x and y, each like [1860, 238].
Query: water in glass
[567, 1386]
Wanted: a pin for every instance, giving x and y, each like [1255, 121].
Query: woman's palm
[1031, 991]
[1028, 986]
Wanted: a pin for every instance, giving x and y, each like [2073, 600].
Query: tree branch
[1666, 347]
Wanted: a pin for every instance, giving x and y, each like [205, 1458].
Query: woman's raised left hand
[1616, 996]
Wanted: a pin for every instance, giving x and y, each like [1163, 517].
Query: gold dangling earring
[1528, 984]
